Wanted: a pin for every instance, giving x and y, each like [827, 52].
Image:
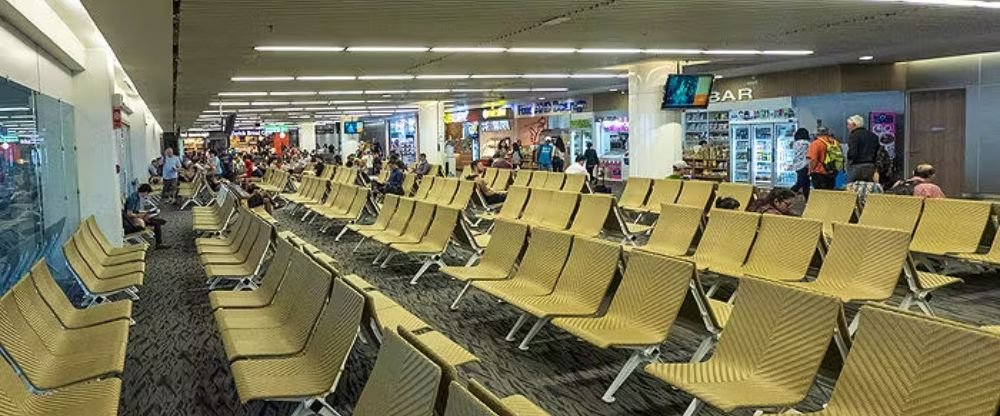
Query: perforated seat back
[898, 212]
[675, 230]
[403, 381]
[784, 247]
[727, 239]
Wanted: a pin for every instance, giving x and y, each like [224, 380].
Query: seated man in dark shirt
[134, 219]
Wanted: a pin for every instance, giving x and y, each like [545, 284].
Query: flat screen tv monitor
[354, 127]
[687, 91]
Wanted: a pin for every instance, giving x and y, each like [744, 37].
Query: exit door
[937, 136]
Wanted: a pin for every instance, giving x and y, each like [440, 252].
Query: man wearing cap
[679, 169]
[821, 179]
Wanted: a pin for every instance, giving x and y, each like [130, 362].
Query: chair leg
[377, 256]
[853, 326]
[517, 326]
[532, 333]
[695, 407]
[925, 306]
[387, 258]
[633, 362]
[423, 269]
[454, 305]
[907, 302]
[340, 234]
[842, 348]
[472, 260]
[703, 349]
[360, 242]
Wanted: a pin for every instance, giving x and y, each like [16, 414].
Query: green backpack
[834, 161]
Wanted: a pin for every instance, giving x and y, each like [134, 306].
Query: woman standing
[800, 146]
[559, 155]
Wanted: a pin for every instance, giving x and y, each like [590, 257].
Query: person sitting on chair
[134, 219]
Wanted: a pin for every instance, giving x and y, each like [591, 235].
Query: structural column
[655, 135]
[100, 193]
[430, 134]
[138, 132]
[307, 136]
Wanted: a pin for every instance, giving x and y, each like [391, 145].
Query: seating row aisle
[61, 359]
[776, 333]
[287, 339]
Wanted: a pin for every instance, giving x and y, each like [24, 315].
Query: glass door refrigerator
[763, 155]
[741, 154]
[785, 168]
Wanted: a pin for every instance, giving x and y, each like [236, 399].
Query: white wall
[655, 135]
[430, 135]
[307, 136]
[26, 64]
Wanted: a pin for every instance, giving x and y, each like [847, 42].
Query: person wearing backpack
[920, 185]
[862, 149]
[826, 158]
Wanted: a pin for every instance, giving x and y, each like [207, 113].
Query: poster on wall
[883, 124]
[529, 129]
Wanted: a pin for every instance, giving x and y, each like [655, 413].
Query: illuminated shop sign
[495, 113]
[552, 107]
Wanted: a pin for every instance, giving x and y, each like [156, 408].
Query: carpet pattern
[177, 366]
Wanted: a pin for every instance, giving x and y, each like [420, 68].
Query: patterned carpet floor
[177, 366]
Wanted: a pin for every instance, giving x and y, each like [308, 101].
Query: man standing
[171, 171]
[134, 219]
[544, 155]
[591, 158]
[862, 148]
[821, 178]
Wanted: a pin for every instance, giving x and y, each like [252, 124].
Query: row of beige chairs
[60, 360]
[197, 192]
[101, 269]
[450, 192]
[217, 216]
[275, 181]
[580, 214]
[646, 196]
[343, 204]
[776, 335]
[239, 255]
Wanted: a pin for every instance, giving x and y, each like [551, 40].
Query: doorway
[937, 136]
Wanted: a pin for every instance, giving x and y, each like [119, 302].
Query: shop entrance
[937, 136]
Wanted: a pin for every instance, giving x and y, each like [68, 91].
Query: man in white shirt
[578, 168]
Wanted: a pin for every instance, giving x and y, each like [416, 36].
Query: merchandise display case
[707, 144]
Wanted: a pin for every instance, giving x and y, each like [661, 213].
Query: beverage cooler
[762, 154]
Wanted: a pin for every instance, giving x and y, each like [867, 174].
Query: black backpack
[903, 187]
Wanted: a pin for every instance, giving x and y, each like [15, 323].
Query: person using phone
[134, 219]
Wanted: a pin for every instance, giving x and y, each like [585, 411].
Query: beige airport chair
[522, 178]
[950, 227]
[466, 172]
[98, 290]
[559, 211]
[354, 212]
[423, 215]
[95, 398]
[903, 364]
[70, 316]
[591, 215]
[502, 180]
[426, 184]
[831, 207]
[538, 180]
[498, 260]
[382, 313]
[389, 205]
[409, 183]
[448, 188]
[517, 198]
[739, 191]
[92, 253]
[403, 381]
[125, 254]
[993, 329]
[433, 245]
[490, 176]
[263, 295]
[314, 373]
[634, 196]
[771, 351]
[555, 180]
[539, 269]
[784, 248]
[516, 405]
[229, 243]
[665, 191]
[463, 403]
[696, 193]
[242, 267]
[675, 233]
[640, 314]
[282, 327]
[341, 205]
[726, 241]
[579, 290]
[864, 264]
[446, 354]
[574, 183]
[536, 209]
[49, 356]
[396, 226]
[463, 196]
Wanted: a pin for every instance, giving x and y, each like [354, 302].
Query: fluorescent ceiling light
[268, 103]
[545, 76]
[375, 101]
[299, 48]
[497, 76]
[308, 102]
[384, 77]
[867, 58]
[320, 108]
[469, 49]
[673, 51]
[732, 52]
[959, 3]
[242, 94]
[375, 92]
[597, 76]
[327, 78]
[382, 107]
[229, 103]
[286, 109]
[260, 79]
[430, 91]
[541, 50]
[549, 89]
[609, 50]
[443, 76]
[23, 116]
[355, 107]
[351, 92]
[292, 93]
[349, 102]
[356, 112]
[13, 109]
[512, 90]
[472, 90]
[387, 49]
[789, 53]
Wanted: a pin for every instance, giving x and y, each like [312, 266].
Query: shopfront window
[39, 202]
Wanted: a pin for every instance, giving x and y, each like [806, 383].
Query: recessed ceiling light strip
[610, 51]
